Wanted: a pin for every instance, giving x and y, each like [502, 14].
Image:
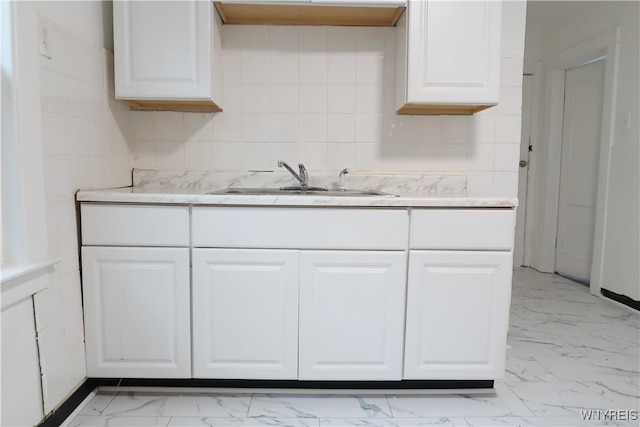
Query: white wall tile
[288, 152]
[255, 156]
[198, 127]
[341, 155]
[232, 97]
[370, 39]
[283, 67]
[255, 98]
[342, 67]
[283, 128]
[227, 127]
[454, 129]
[313, 39]
[143, 125]
[255, 127]
[369, 99]
[510, 100]
[505, 184]
[508, 129]
[169, 125]
[227, 156]
[314, 67]
[452, 158]
[480, 184]
[480, 157]
[341, 99]
[170, 155]
[284, 99]
[370, 68]
[507, 157]
[313, 99]
[144, 154]
[369, 128]
[312, 127]
[198, 155]
[341, 128]
[255, 66]
[314, 156]
[482, 129]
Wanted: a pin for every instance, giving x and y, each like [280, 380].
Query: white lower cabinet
[245, 313]
[457, 314]
[137, 312]
[351, 315]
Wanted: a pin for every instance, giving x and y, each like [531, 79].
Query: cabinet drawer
[299, 228]
[122, 225]
[462, 229]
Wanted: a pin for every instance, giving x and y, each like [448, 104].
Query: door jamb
[606, 43]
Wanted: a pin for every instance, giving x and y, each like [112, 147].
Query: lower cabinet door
[137, 312]
[457, 314]
[245, 313]
[351, 315]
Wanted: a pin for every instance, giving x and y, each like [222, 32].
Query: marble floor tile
[107, 421]
[614, 368]
[244, 422]
[318, 406]
[519, 369]
[569, 421]
[96, 405]
[569, 398]
[392, 422]
[504, 402]
[179, 405]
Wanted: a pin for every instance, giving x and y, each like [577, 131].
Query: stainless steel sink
[296, 191]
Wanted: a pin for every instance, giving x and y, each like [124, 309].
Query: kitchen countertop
[161, 195]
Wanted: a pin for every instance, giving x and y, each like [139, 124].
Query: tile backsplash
[324, 96]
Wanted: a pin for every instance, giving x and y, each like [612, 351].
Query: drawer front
[299, 228]
[140, 225]
[490, 229]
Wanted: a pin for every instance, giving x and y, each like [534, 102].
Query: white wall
[324, 96]
[84, 143]
[552, 28]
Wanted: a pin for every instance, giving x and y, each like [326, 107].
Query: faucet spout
[303, 178]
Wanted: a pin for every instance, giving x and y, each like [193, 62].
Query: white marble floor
[570, 351]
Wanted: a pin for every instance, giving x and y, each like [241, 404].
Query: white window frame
[25, 269]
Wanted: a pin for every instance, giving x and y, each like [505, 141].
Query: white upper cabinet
[448, 57]
[167, 55]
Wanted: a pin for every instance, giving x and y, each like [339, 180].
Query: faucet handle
[343, 172]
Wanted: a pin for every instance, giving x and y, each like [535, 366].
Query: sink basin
[295, 191]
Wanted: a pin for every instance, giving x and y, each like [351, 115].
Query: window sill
[20, 282]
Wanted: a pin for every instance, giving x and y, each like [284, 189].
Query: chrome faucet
[303, 177]
[343, 172]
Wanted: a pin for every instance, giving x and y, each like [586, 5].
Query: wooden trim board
[169, 105]
[271, 14]
[441, 110]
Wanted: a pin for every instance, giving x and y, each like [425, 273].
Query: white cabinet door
[351, 315]
[136, 306]
[245, 314]
[166, 50]
[448, 56]
[457, 314]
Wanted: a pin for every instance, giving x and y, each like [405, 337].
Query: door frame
[606, 43]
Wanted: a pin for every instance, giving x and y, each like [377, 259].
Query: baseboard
[58, 416]
[622, 299]
[293, 384]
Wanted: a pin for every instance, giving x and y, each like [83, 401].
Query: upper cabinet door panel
[454, 51]
[163, 49]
